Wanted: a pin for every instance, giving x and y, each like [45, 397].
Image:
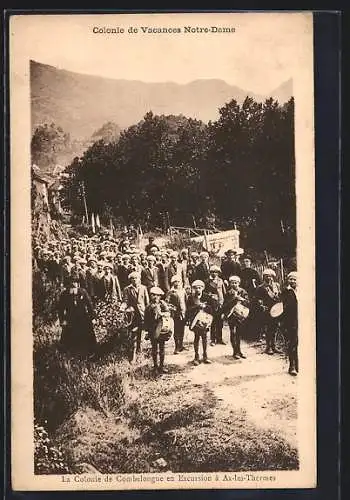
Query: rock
[85, 468]
[160, 462]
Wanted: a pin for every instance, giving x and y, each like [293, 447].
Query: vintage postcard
[162, 251]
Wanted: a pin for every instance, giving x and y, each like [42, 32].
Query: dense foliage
[239, 169]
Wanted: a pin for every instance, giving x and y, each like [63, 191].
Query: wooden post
[282, 271]
[267, 260]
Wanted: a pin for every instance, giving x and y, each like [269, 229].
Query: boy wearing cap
[289, 320]
[91, 279]
[177, 298]
[216, 290]
[152, 324]
[191, 266]
[198, 301]
[266, 295]
[235, 294]
[111, 287]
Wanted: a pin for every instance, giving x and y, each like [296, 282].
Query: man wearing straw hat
[289, 320]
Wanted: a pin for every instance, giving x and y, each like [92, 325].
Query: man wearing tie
[136, 296]
[149, 275]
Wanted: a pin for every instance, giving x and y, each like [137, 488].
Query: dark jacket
[201, 272]
[216, 291]
[174, 299]
[230, 268]
[174, 270]
[153, 316]
[265, 298]
[122, 274]
[192, 307]
[77, 311]
[149, 277]
[231, 299]
[136, 298]
[250, 280]
[290, 309]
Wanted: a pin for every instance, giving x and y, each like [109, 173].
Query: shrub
[62, 384]
[48, 456]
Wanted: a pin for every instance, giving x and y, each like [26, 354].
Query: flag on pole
[111, 227]
[139, 236]
[98, 221]
[93, 222]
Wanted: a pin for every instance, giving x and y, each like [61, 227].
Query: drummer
[267, 295]
[153, 316]
[235, 295]
[196, 302]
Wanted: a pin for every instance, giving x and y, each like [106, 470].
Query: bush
[48, 457]
[45, 296]
[62, 384]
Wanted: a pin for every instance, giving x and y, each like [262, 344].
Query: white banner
[220, 242]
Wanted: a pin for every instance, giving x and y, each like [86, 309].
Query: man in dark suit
[230, 266]
[174, 268]
[149, 274]
[202, 270]
[123, 271]
[136, 296]
[289, 320]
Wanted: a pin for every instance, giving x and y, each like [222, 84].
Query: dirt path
[230, 415]
[259, 385]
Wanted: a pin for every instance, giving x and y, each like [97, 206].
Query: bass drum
[276, 310]
[239, 312]
[202, 320]
[165, 328]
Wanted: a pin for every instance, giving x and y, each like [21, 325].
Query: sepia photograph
[163, 240]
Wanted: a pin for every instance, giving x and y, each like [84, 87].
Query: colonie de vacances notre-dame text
[154, 30]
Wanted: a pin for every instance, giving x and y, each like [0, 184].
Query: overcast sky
[261, 54]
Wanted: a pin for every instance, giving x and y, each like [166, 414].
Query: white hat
[155, 290]
[215, 269]
[198, 283]
[134, 274]
[175, 278]
[269, 272]
[293, 274]
[235, 278]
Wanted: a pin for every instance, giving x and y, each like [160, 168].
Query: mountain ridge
[81, 103]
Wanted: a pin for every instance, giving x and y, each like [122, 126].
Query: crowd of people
[166, 290]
